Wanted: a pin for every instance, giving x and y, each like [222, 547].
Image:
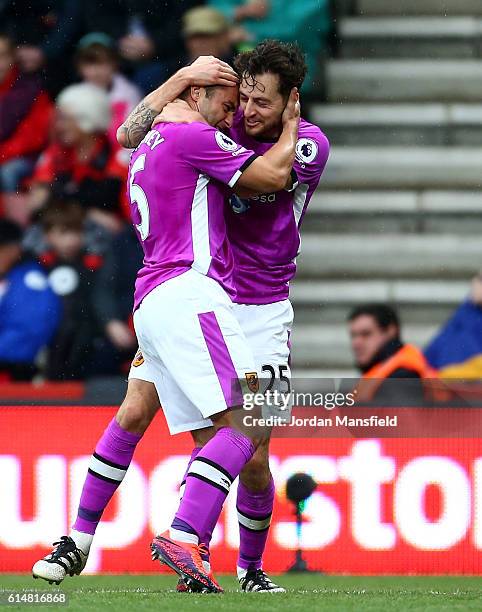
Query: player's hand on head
[209, 70]
[178, 111]
[292, 109]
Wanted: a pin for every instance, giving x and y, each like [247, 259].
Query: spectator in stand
[456, 351]
[308, 23]
[113, 302]
[207, 32]
[25, 113]
[80, 164]
[380, 354]
[148, 33]
[71, 271]
[243, 14]
[29, 310]
[97, 63]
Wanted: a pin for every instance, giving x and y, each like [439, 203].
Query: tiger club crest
[138, 359]
[252, 381]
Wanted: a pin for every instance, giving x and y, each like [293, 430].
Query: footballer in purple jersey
[182, 309]
[263, 230]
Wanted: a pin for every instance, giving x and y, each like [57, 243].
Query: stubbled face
[367, 338]
[6, 58]
[67, 130]
[100, 73]
[218, 109]
[262, 105]
[66, 243]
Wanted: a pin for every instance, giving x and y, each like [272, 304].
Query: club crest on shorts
[138, 359]
[252, 381]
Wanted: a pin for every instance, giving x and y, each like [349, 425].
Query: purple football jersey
[264, 230]
[179, 179]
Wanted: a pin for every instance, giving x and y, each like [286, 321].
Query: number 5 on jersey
[139, 198]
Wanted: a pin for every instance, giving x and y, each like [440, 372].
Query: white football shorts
[192, 348]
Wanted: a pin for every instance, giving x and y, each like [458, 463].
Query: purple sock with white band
[209, 479]
[254, 517]
[108, 466]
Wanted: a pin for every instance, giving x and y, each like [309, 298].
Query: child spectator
[97, 63]
[71, 272]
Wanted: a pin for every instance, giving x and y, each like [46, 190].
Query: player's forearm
[272, 171]
[281, 156]
[139, 122]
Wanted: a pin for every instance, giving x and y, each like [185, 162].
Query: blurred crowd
[70, 73]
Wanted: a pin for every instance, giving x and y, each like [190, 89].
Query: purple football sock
[209, 479]
[194, 454]
[207, 539]
[254, 516]
[108, 466]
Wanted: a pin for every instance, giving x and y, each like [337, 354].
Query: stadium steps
[404, 80]
[417, 37]
[423, 124]
[404, 168]
[397, 215]
[419, 7]
[419, 301]
[395, 212]
[350, 256]
[403, 292]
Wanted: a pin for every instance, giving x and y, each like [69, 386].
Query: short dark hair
[384, 315]
[286, 60]
[210, 89]
[67, 216]
[96, 53]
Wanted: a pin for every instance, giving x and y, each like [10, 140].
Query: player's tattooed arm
[205, 71]
[136, 126]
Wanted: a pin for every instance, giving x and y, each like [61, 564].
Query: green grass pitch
[306, 593]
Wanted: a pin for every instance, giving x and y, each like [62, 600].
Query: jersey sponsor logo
[252, 381]
[239, 205]
[225, 143]
[242, 205]
[306, 150]
[138, 359]
[265, 198]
